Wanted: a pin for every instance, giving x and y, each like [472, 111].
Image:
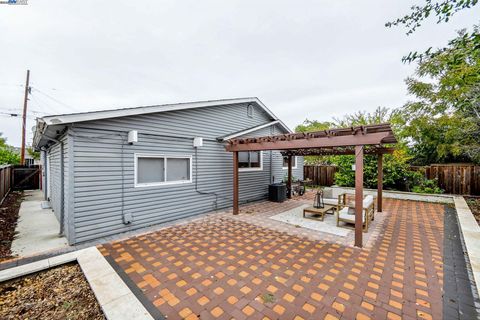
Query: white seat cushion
[345, 215]
[367, 201]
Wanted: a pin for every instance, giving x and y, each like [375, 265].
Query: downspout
[45, 172]
[62, 191]
[272, 178]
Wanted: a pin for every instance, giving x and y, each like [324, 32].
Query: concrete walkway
[37, 228]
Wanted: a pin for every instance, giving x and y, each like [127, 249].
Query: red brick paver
[223, 268]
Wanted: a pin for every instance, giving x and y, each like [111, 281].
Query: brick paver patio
[224, 267]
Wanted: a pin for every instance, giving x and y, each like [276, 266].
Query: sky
[304, 59]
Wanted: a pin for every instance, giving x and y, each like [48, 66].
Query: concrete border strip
[436, 198]
[471, 235]
[113, 295]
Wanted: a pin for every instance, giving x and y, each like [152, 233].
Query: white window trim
[293, 167]
[253, 169]
[165, 157]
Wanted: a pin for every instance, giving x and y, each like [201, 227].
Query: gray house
[112, 171]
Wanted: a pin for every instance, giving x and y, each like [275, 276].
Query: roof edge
[243, 132]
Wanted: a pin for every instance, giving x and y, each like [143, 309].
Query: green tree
[443, 10]
[32, 153]
[396, 166]
[443, 123]
[313, 125]
[8, 154]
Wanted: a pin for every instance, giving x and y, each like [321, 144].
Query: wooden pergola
[359, 140]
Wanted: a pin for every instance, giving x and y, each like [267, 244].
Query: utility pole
[24, 119]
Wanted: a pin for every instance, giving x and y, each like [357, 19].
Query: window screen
[178, 169]
[255, 159]
[249, 159]
[285, 162]
[150, 170]
[243, 160]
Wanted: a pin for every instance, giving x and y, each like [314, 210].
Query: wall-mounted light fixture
[132, 136]
[197, 142]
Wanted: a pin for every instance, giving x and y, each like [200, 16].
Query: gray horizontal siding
[103, 169]
[99, 182]
[55, 182]
[54, 178]
[209, 122]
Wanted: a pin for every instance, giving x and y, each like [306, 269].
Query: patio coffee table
[318, 213]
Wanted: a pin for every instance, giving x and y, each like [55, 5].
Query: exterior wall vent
[250, 111]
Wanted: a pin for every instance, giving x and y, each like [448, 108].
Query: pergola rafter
[337, 151]
[358, 140]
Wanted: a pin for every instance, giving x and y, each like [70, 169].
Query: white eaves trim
[238, 134]
[105, 114]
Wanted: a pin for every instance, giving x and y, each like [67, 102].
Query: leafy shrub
[424, 185]
[396, 171]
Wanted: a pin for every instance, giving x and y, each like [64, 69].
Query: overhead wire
[45, 106]
[54, 99]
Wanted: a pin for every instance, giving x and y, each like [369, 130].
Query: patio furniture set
[344, 210]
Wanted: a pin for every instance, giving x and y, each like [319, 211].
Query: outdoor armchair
[346, 211]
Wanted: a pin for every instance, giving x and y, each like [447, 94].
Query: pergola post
[358, 195]
[289, 178]
[235, 182]
[380, 183]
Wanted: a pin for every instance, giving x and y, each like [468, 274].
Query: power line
[54, 99]
[48, 106]
[10, 114]
[17, 115]
[11, 85]
[19, 109]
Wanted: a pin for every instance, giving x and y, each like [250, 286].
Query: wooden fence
[26, 177]
[456, 178]
[17, 177]
[5, 181]
[320, 175]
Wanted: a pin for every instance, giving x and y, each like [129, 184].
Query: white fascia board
[105, 114]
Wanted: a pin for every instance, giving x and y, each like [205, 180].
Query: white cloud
[309, 59]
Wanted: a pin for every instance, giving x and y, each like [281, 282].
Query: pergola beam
[332, 141]
[355, 140]
[337, 151]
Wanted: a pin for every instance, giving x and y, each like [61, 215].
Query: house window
[154, 170]
[285, 163]
[250, 161]
[250, 110]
